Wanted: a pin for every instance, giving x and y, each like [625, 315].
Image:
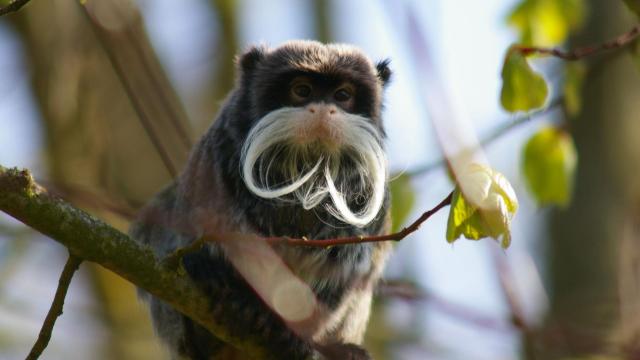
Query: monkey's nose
[322, 109]
[322, 125]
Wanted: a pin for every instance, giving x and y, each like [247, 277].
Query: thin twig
[507, 284]
[576, 54]
[173, 260]
[405, 290]
[494, 135]
[13, 6]
[510, 125]
[397, 236]
[518, 318]
[169, 101]
[582, 52]
[73, 262]
[135, 100]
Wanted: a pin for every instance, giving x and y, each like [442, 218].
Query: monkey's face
[317, 136]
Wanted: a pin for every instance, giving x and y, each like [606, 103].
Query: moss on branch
[93, 240]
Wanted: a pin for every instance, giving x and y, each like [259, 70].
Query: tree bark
[585, 239]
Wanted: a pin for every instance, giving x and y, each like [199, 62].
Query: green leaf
[522, 88]
[484, 209]
[403, 198]
[546, 22]
[574, 79]
[633, 5]
[549, 163]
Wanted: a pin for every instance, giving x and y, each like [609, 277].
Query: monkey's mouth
[340, 169]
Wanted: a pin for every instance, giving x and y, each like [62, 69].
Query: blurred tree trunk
[224, 51]
[93, 135]
[94, 140]
[585, 241]
[322, 10]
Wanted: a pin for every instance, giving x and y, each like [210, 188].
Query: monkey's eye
[302, 91]
[342, 95]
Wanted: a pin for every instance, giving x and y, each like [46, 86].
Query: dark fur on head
[210, 195]
[264, 78]
[265, 73]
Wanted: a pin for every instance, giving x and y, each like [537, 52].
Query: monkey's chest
[272, 218]
[328, 271]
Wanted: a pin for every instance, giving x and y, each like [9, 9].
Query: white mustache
[276, 133]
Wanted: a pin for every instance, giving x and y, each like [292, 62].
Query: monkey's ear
[248, 61]
[384, 72]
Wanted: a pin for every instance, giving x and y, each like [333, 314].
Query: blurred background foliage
[121, 89]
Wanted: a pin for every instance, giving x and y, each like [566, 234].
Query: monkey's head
[315, 135]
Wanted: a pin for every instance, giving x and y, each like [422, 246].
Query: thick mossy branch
[93, 240]
[13, 6]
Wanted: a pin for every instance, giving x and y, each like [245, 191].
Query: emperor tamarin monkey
[297, 151]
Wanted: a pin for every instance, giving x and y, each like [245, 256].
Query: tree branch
[576, 54]
[494, 135]
[173, 260]
[362, 239]
[132, 95]
[56, 307]
[582, 52]
[93, 240]
[408, 291]
[13, 6]
[507, 284]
